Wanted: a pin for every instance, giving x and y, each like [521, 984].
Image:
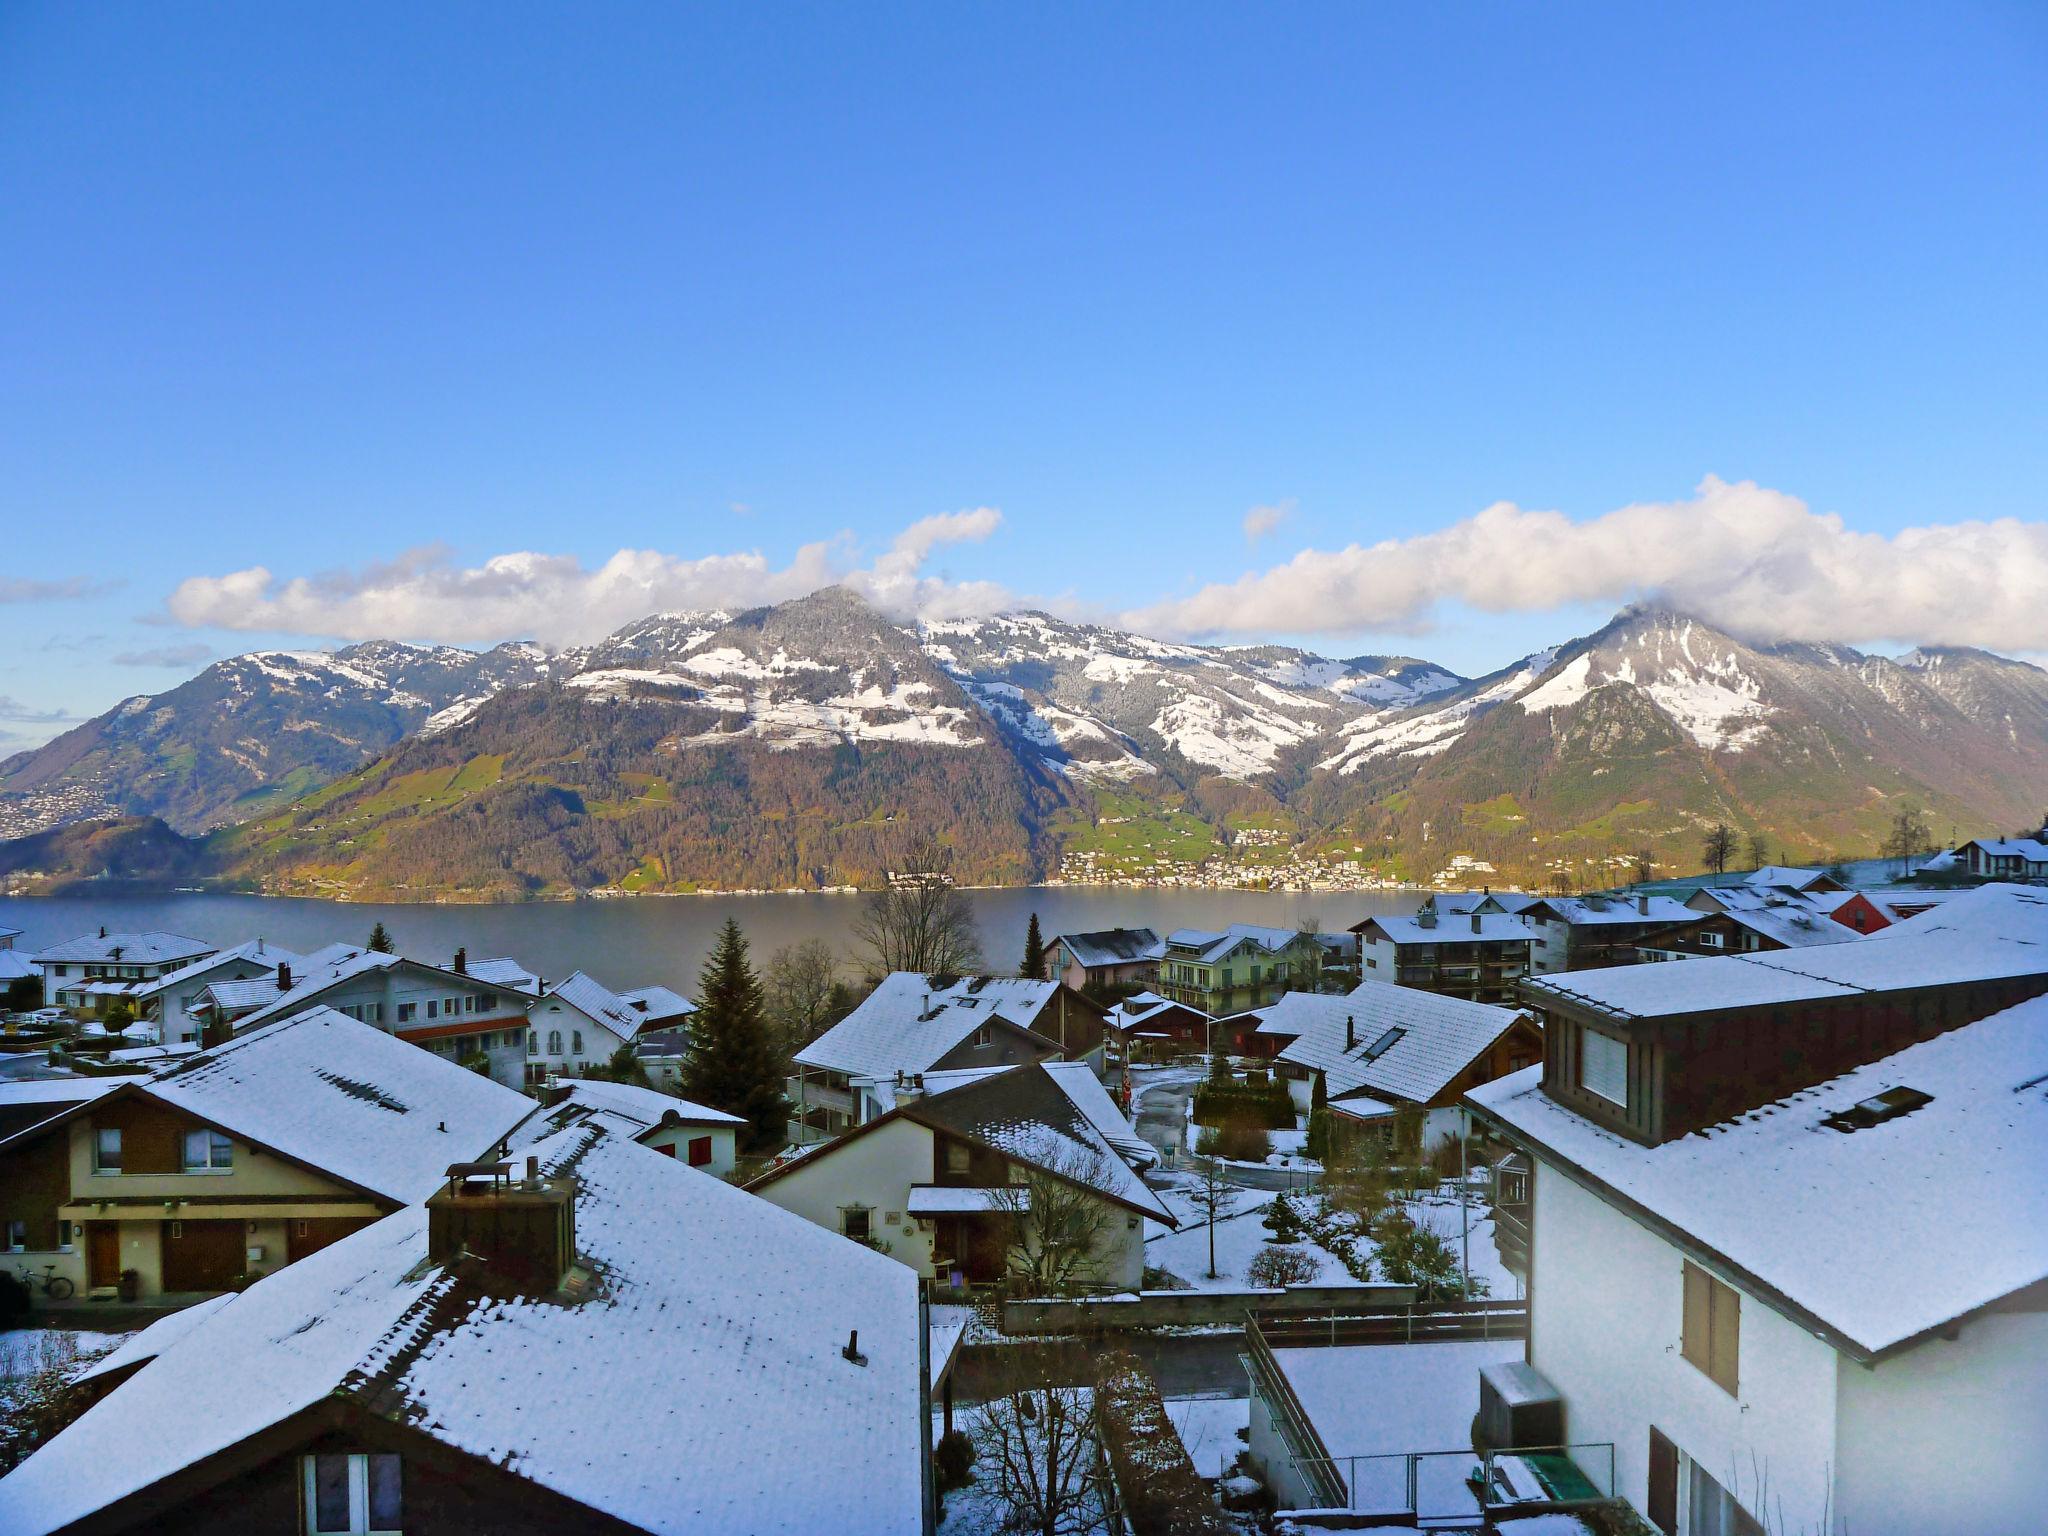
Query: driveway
[1162, 1106]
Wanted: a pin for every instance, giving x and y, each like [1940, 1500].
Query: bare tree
[1717, 849]
[1759, 849]
[802, 991]
[1643, 865]
[1035, 1446]
[1908, 837]
[919, 921]
[1059, 1220]
[1214, 1198]
[1309, 978]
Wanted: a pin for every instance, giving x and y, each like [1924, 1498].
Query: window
[959, 1157]
[1713, 1327]
[469, 1003]
[533, 1042]
[856, 1222]
[487, 1001]
[406, 1011]
[64, 1237]
[452, 1006]
[433, 1008]
[17, 1237]
[575, 1042]
[983, 1035]
[1710, 939]
[554, 1042]
[1603, 1066]
[700, 1151]
[1712, 1510]
[106, 1149]
[208, 1152]
[354, 1494]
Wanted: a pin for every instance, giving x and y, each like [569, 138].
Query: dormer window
[1603, 1066]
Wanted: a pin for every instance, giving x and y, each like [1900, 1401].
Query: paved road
[1186, 1365]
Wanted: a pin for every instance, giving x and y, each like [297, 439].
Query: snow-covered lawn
[1212, 1428]
[979, 1509]
[23, 1351]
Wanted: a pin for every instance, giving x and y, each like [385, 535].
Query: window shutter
[1697, 1311]
[1726, 1333]
[1603, 1066]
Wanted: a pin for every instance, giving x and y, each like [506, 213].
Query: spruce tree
[380, 939]
[732, 1062]
[1034, 952]
[1318, 1143]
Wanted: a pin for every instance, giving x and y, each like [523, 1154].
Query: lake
[638, 941]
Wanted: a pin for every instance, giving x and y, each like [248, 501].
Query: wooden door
[102, 1253]
[202, 1255]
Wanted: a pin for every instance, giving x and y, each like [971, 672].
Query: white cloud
[556, 599]
[1752, 560]
[1263, 520]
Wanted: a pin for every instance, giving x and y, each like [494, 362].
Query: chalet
[102, 972]
[238, 1159]
[1233, 969]
[1396, 1062]
[2005, 858]
[695, 1134]
[170, 1000]
[1751, 921]
[1829, 1313]
[1868, 911]
[1583, 933]
[909, 1025]
[1113, 958]
[1479, 956]
[1485, 902]
[943, 1181]
[468, 1012]
[547, 1346]
[1149, 1027]
[579, 1023]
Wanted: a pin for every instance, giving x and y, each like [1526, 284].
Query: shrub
[1243, 1143]
[1162, 1494]
[1282, 1220]
[1275, 1268]
[14, 1301]
[953, 1460]
[1218, 1103]
[1207, 1140]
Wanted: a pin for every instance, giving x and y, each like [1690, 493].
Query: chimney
[1350, 1033]
[522, 1232]
[1475, 922]
[284, 976]
[1643, 906]
[462, 962]
[103, 930]
[1425, 919]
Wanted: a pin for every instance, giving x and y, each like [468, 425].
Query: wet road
[1198, 1365]
[1162, 1112]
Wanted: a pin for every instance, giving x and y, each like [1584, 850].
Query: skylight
[1382, 1045]
[1875, 1110]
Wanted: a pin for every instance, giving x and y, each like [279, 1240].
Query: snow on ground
[977, 1509]
[1212, 1428]
[24, 1350]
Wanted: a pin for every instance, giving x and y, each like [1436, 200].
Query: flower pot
[130, 1285]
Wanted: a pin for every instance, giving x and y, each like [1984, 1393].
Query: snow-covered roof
[2032, 849]
[1080, 1084]
[1471, 928]
[345, 1098]
[329, 967]
[254, 951]
[496, 970]
[29, 1101]
[1793, 876]
[15, 966]
[719, 1325]
[625, 1014]
[646, 1107]
[1113, 946]
[1465, 902]
[1796, 925]
[906, 1024]
[1595, 910]
[151, 948]
[1210, 944]
[962, 1200]
[1136, 1010]
[1409, 1044]
[146, 1344]
[1993, 931]
[659, 1003]
[1881, 1233]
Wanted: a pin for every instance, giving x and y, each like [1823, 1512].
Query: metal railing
[1440, 1485]
[1424, 1322]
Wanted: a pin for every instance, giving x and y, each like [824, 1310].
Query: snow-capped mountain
[246, 730]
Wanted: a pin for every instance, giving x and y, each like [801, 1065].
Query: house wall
[174, 1020]
[1942, 1431]
[1005, 1048]
[549, 1015]
[35, 1179]
[875, 1170]
[677, 1139]
[1606, 1309]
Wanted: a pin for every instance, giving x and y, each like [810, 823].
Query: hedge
[1270, 1106]
[1162, 1493]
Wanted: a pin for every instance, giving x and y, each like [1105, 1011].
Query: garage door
[202, 1255]
[309, 1234]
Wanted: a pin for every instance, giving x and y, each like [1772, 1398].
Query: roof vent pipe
[1350, 1033]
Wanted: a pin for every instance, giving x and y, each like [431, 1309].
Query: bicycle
[53, 1285]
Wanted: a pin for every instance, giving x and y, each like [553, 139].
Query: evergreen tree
[1219, 1055]
[1034, 952]
[380, 939]
[732, 1062]
[1318, 1142]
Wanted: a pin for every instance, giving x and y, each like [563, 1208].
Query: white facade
[1812, 1440]
[564, 1041]
[708, 1148]
[453, 1016]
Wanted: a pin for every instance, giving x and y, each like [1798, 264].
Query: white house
[2005, 858]
[103, 971]
[1790, 1299]
[593, 1340]
[169, 1000]
[694, 1134]
[578, 1024]
[939, 1181]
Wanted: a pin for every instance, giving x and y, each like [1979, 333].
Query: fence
[1420, 1323]
[1183, 1309]
[1444, 1485]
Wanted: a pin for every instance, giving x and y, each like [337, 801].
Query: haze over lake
[662, 940]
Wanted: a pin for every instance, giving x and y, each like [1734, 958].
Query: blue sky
[306, 289]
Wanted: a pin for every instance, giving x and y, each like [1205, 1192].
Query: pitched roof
[329, 967]
[1993, 931]
[643, 1107]
[26, 1102]
[255, 951]
[1794, 876]
[1795, 925]
[1215, 943]
[659, 1003]
[15, 966]
[906, 1024]
[345, 1098]
[151, 948]
[1596, 910]
[1882, 1233]
[2032, 849]
[1481, 928]
[1462, 902]
[1113, 946]
[624, 1014]
[699, 1388]
[1410, 1044]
